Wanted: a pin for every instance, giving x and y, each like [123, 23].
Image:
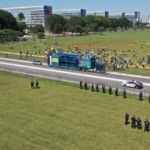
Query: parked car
[36, 62]
[133, 84]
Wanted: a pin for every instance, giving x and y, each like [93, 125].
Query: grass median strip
[59, 115]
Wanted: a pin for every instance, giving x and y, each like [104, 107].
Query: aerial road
[109, 79]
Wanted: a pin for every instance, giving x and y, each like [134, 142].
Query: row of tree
[59, 24]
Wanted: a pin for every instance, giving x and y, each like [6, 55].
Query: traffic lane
[109, 75]
[36, 70]
[62, 76]
[68, 71]
[72, 78]
[59, 71]
[145, 79]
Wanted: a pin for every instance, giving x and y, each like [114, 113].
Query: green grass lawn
[114, 40]
[60, 116]
[22, 57]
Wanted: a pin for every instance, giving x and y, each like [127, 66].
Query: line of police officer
[85, 86]
[137, 123]
[124, 93]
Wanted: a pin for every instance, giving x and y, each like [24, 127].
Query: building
[137, 16]
[68, 13]
[98, 13]
[130, 17]
[116, 15]
[145, 19]
[33, 14]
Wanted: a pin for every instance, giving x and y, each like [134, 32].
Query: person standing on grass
[146, 128]
[133, 122]
[97, 89]
[124, 93]
[110, 90]
[141, 96]
[92, 88]
[116, 92]
[126, 118]
[85, 86]
[139, 123]
[80, 84]
[103, 88]
[32, 84]
[37, 84]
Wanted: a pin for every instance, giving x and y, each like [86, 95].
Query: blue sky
[113, 6]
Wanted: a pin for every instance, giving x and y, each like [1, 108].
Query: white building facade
[68, 13]
[33, 14]
[98, 13]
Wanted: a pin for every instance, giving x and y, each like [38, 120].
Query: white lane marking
[65, 72]
[115, 73]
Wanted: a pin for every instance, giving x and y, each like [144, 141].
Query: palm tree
[21, 16]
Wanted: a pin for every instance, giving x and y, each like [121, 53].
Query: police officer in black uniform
[92, 88]
[81, 85]
[146, 128]
[116, 92]
[32, 84]
[97, 89]
[110, 90]
[85, 86]
[126, 118]
[139, 123]
[140, 96]
[103, 88]
[133, 122]
[37, 84]
[124, 93]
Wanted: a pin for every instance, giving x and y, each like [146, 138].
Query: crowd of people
[119, 60]
[116, 59]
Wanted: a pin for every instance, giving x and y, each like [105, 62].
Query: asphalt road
[109, 79]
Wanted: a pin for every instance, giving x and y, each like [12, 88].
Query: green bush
[40, 35]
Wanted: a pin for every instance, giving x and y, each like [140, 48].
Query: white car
[133, 84]
[36, 62]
